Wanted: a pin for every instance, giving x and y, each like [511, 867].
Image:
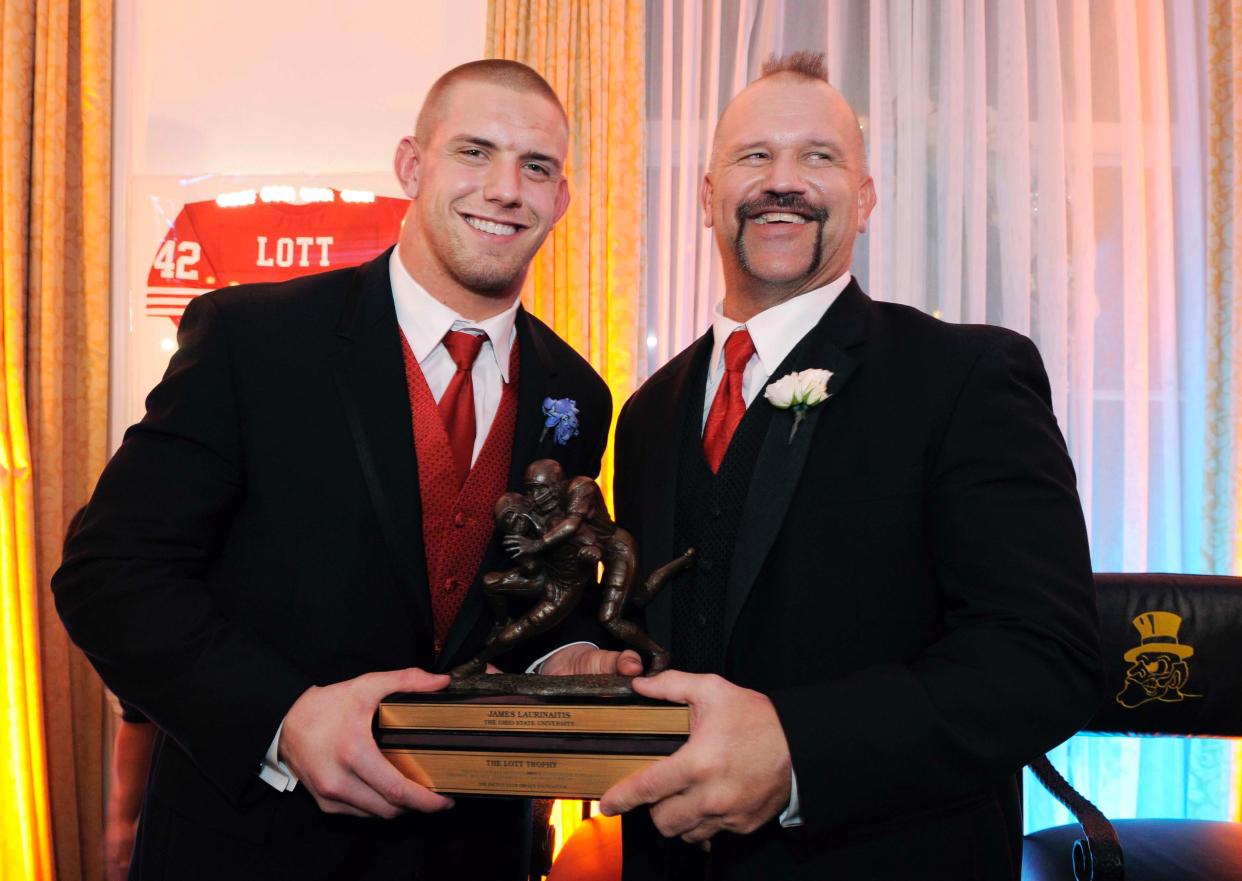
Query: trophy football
[544, 736]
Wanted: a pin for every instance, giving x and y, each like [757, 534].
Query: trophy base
[600, 685]
[476, 739]
[511, 774]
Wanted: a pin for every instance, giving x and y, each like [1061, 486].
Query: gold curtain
[586, 282]
[1222, 538]
[1222, 534]
[54, 250]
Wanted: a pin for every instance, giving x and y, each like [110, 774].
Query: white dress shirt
[425, 320]
[774, 331]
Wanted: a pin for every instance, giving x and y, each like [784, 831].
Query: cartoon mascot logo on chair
[1158, 669]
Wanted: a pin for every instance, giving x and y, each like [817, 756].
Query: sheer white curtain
[1039, 165]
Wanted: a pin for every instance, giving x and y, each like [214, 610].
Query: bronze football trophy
[559, 531]
[533, 735]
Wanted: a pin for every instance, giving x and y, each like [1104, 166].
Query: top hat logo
[1158, 633]
[1158, 669]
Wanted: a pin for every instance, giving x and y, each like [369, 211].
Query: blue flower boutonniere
[562, 417]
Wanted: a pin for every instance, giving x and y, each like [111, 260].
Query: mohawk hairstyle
[803, 63]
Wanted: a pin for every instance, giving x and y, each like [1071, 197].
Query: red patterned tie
[728, 407]
[457, 403]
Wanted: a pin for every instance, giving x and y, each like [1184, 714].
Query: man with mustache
[893, 607]
[298, 525]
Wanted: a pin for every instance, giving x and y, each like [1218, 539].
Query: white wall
[265, 86]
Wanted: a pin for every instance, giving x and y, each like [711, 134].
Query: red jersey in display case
[262, 236]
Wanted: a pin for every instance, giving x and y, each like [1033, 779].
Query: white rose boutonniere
[799, 391]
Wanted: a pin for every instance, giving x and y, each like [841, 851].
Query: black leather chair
[1172, 648]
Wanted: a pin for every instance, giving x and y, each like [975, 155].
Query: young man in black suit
[298, 525]
[893, 607]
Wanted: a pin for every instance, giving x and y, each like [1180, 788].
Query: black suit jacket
[258, 532]
[910, 586]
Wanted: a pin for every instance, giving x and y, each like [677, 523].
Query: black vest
[709, 511]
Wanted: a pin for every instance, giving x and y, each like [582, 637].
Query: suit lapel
[538, 371]
[676, 392]
[781, 460]
[370, 377]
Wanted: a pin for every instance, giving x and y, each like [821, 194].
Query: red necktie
[457, 403]
[728, 407]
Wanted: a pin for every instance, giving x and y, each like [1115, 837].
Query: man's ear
[562, 200]
[407, 164]
[866, 203]
[705, 199]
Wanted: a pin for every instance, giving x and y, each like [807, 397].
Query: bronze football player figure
[559, 531]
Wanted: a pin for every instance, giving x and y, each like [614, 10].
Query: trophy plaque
[523, 745]
[539, 736]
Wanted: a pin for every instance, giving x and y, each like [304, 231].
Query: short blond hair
[497, 71]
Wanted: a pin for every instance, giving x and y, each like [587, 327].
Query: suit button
[702, 620]
[715, 510]
[459, 519]
[706, 565]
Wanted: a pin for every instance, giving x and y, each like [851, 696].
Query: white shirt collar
[776, 330]
[425, 320]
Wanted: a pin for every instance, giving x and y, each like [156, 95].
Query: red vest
[457, 524]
